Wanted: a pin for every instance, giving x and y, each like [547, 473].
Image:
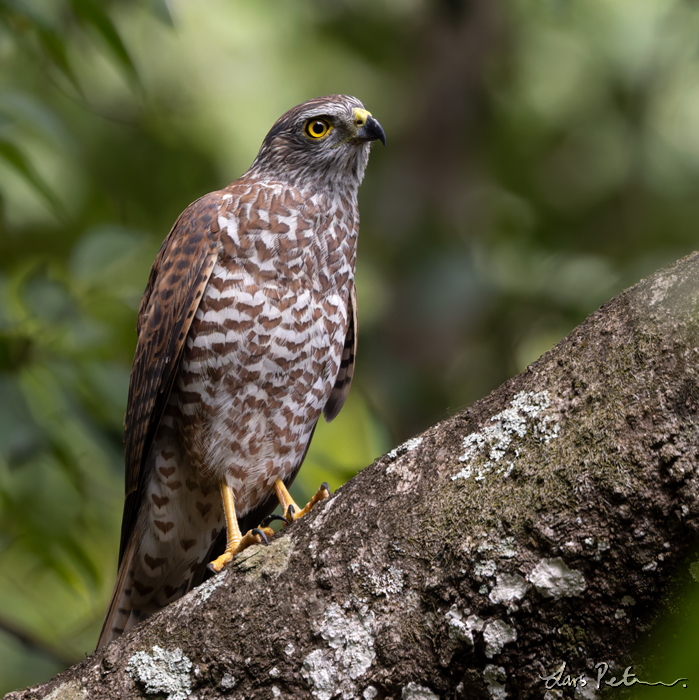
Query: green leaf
[50, 36]
[14, 157]
[55, 49]
[93, 14]
[161, 10]
[33, 114]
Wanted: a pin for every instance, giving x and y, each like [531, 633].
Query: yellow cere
[360, 116]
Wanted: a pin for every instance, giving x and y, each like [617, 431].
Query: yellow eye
[317, 128]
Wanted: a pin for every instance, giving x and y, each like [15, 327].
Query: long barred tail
[138, 594]
[120, 612]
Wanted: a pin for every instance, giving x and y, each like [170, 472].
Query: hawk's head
[321, 143]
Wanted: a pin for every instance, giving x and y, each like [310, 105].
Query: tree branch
[540, 526]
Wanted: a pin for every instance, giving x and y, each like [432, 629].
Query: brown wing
[344, 376]
[177, 280]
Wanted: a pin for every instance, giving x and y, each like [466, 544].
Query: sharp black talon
[290, 513]
[272, 517]
[326, 486]
[257, 531]
[210, 567]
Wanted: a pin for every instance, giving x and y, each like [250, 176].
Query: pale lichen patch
[413, 691]
[506, 548]
[260, 560]
[67, 691]
[320, 672]
[350, 653]
[321, 511]
[385, 583]
[461, 629]
[509, 589]
[660, 288]
[495, 678]
[496, 634]
[553, 579]
[484, 569]
[228, 682]
[407, 446]
[406, 477]
[162, 671]
[493, 448]
[204, 591]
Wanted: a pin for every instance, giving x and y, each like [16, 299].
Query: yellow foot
[235, 541]
[290, 510]
[257, 535]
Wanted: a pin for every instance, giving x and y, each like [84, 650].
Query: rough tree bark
[540, 526]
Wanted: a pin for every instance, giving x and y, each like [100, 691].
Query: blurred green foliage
[541, 157]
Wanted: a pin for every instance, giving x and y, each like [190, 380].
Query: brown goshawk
[246, 333]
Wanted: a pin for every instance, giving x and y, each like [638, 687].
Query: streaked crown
[322, 143]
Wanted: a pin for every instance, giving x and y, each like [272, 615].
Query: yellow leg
[289, 508]
[235, 541]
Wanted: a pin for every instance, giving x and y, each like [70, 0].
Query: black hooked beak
[371, 131]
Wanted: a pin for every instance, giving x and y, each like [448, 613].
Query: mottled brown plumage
[246, 333]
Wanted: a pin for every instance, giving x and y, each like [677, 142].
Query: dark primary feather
[177, 281]
[175, 285]
[339, 392]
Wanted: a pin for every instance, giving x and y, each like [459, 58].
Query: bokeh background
[542, 155]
